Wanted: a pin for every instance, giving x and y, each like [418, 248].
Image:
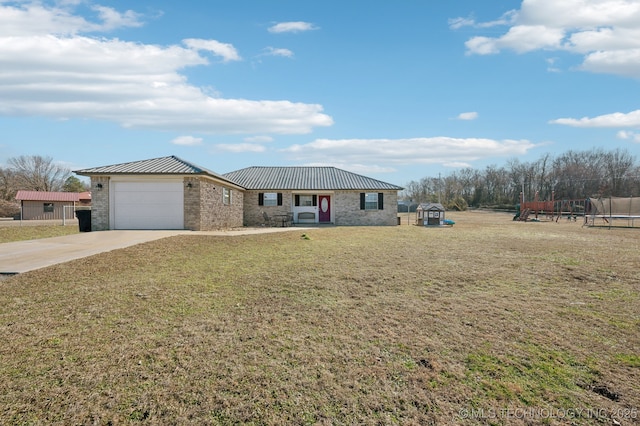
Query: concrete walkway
[23, 256]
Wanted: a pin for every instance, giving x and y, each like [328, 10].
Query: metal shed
[43, 205]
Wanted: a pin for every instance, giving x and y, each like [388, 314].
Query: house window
[226, 196]
[48, 207]
[371, 201]
[306, 200]
[270, 199]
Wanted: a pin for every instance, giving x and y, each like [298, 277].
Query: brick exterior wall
[204, 208]
[253, 212]
[345, 205]
[99, 203]
[347, 210]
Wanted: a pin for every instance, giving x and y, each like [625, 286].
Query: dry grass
[488, 322]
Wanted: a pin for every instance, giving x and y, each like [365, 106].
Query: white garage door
[148, 205]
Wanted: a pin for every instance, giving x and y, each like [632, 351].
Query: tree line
[33, 173]
[572, 175]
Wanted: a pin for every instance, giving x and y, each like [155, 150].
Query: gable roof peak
[169, 165]
[161, 165]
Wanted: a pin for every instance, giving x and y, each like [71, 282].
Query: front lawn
[487, 322]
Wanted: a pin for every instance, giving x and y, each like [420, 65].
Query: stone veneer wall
[347, 211]
[253, 212]
[345, 205]
[204, 208]
[99, 203]
[192, 204]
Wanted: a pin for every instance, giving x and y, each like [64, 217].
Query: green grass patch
[23, 233]
[529, 375]
[630, 360]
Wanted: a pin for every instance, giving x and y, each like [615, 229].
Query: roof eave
[198, 174]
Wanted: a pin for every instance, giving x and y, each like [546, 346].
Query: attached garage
[148, 205]
[163, 193]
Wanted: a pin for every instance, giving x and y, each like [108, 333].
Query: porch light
[99, 186]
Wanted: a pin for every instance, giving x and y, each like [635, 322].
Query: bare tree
[617, 166]
[571, 175]
[8, 184]
[37, 173]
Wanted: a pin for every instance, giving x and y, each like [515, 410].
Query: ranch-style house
[170, 193]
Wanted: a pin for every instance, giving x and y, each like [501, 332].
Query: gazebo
[430, 214]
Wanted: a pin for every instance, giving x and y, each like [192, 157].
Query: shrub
[9, 209]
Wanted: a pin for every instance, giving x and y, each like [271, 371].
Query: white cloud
[616, 119]
[434, 150]
[521, 38]
[580, 13]
[364, 169]
[227, 51]
[551, 62]
[627, 135]
[292, 27]
[468, 116]
[187, 141]
[457, 165]
[507, 18]
[240, 147]
[457, 23]
[32, 18]
[622, 62]
[605, 32]
[273, 51]
[259, 139]
[112, 19]
[49, 70]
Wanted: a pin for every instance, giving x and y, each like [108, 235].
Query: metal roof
[171, 165]
[47, 196]
[283, 178]
[305, 178]
[430, 206]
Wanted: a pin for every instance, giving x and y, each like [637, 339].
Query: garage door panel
[148, 205]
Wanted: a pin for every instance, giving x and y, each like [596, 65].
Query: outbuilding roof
[305, 178]
[431, 206]
[47, 196]
[171, 165]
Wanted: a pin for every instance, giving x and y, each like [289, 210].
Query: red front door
[324, 206]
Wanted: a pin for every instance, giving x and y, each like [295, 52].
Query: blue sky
[395, 90]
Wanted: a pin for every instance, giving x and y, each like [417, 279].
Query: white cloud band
[48, 70]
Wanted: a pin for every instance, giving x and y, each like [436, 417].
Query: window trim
[226, 196]
[48, 207]
[270, 199]
[261, 199]
[379, 201]
[314, 200]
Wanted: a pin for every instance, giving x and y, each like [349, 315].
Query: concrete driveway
[23, 256]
